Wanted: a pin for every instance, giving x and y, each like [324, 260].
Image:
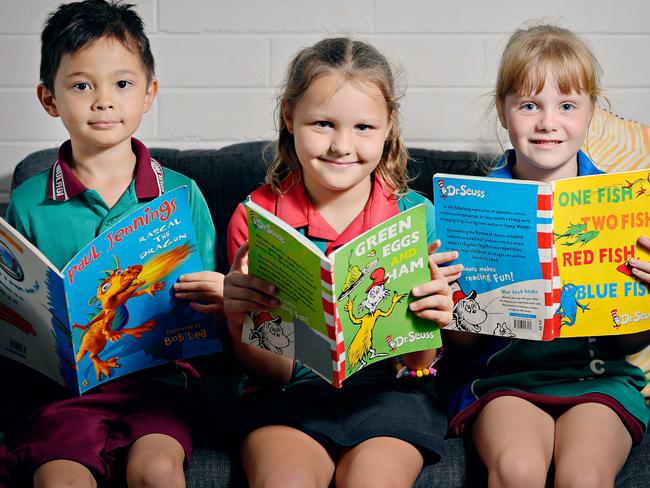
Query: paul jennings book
[111, 310]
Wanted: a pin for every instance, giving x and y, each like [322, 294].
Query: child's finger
[208, 276]
[240, 258]
[199, 296]
[240, 280]
[212, 308]
[444, 257]
[239, 290]
[437, 286]
[642, 275]
[434, 246]
[644, 242]
[210, 286]
[442, 318]
[640, 269]
[252, 296]
[438, 302]
[436, 271]
[451, 273]
[243, 306]
[639, 264]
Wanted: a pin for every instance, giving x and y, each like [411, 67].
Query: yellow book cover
[597, 220]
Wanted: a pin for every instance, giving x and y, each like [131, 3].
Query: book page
[495, 225]
[597, 222]
[122, 308]
[33, 319]
[281, 255]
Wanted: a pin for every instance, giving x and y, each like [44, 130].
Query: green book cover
[347, 310]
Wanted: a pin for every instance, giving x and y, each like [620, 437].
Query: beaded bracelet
[403, 371]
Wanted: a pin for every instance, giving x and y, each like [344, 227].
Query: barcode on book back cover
[522, 324]
[17, 348]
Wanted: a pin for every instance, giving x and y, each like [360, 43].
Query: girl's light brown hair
[532, 52]
[358, 62]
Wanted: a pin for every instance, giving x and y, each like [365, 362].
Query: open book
[546, 260]
[111, 310]
[344, 311]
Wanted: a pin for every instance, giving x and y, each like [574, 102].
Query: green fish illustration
[572, 231]
[584, 238]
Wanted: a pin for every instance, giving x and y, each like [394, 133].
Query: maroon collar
[63, 184]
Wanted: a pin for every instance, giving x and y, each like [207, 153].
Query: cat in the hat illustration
[361, 348]
[268, 332]
[468, 314]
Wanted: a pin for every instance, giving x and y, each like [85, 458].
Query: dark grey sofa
[226, 176]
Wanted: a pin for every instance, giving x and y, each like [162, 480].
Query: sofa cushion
[226, 176]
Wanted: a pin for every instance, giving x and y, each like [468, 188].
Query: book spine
[334, 330]
[548, 260]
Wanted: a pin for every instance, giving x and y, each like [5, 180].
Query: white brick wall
[219, 63]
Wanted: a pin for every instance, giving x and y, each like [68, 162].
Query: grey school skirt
[371, 404]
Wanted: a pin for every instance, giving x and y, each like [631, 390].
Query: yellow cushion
[617, 144]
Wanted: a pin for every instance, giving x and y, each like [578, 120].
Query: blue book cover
[497, 227]
[111, 311]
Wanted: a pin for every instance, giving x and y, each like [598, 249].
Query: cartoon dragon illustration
[114, 291]
[569, 304]
[360, 347]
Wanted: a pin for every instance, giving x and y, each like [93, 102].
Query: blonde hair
[356, 61]
[532, 52]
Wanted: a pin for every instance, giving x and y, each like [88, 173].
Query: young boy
[97, 75]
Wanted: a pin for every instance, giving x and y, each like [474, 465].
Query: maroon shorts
[4, 474]
[96, 430]
[552, 405]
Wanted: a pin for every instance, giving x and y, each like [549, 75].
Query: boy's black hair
[74, 25]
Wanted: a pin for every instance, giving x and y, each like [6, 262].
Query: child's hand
[436, 303]
[451, 273]
[244, 293]
[204, 286]
[639, 268]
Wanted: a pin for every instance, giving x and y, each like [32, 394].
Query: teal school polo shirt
[60, 228]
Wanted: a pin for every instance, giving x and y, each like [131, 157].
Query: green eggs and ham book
[342, 312]
[111, 311]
